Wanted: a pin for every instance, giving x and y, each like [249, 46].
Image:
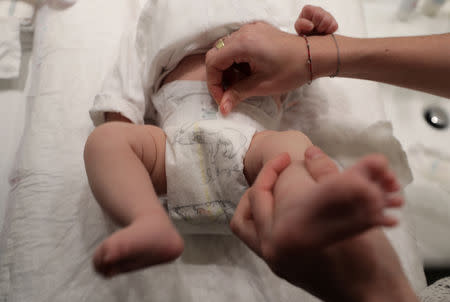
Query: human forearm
[394, 295]
[421, 63]
[384, 282]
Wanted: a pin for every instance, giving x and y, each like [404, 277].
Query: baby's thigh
[266, 145]
[146, 142]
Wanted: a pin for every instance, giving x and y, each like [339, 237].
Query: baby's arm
[315, 20]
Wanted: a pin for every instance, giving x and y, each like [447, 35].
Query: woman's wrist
[324, 56]
[398, 296]
[394, 289]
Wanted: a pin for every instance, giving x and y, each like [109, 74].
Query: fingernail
[226, 106]
[313, 153]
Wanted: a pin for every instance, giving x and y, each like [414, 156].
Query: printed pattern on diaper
[217, 212]
[215, 182]
[205, 152]
[217, 148]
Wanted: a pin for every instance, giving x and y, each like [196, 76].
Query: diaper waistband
[182, 101]
[180, 89]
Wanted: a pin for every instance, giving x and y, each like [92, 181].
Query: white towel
[18, 9]
[16, 27]
[15, 16]
[9, 47]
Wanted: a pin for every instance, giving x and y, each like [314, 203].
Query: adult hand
[267, 60]
[277, 63]
[362, 268]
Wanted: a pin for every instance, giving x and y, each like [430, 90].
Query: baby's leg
[335, 208]
[125, 165]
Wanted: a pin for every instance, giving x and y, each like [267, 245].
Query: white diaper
[205, 153]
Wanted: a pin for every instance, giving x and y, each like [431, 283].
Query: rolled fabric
[10, 49]
[21, 10]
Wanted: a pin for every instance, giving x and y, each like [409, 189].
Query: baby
[129, 165]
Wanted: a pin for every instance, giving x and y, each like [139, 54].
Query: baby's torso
[183, 98]
[205, 150]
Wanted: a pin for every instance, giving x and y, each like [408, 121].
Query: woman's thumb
[239, 91]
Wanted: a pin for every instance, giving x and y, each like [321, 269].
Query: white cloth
[10, 53]
[437, 292]
[15, 16]
[151, 51]
[19, 9]
[334, 113]
[53, 217]
[205, 153]
[122, 90]
[162, 42]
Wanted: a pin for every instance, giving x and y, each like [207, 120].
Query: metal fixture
[436, 117]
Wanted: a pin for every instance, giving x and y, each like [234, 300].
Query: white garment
[162, 42]
[437, 292]
[205, 153]
[155, 47]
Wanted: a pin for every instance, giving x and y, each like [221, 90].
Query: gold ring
[220, 44]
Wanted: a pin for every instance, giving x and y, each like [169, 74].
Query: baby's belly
[184, 99]
[191, 68]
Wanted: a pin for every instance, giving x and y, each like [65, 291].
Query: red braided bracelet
[309, 59]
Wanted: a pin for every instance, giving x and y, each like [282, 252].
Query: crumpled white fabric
[16, 17]
[166, 31]
[16, 31]
[10, 49]
[437, 292]
[334, 113]
[53, 223]
[23, 10]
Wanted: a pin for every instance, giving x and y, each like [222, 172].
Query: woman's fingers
[220, 58]
[252, 220]
[259, 59]
[261, 195]
[233, 56]
[243, 225]
[239, 91]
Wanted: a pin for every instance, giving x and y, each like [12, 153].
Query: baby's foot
[337, 206]
[146, 241]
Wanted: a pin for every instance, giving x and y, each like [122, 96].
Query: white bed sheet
[53, 223]
[428, 149]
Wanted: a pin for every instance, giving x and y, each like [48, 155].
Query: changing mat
[53, 223]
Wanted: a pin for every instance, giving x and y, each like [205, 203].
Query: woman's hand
[267, 60]
[362, 268]
[275, 62]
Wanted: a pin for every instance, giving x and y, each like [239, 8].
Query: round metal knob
[436, 117]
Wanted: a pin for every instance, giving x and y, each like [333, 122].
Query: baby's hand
[315, 20]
